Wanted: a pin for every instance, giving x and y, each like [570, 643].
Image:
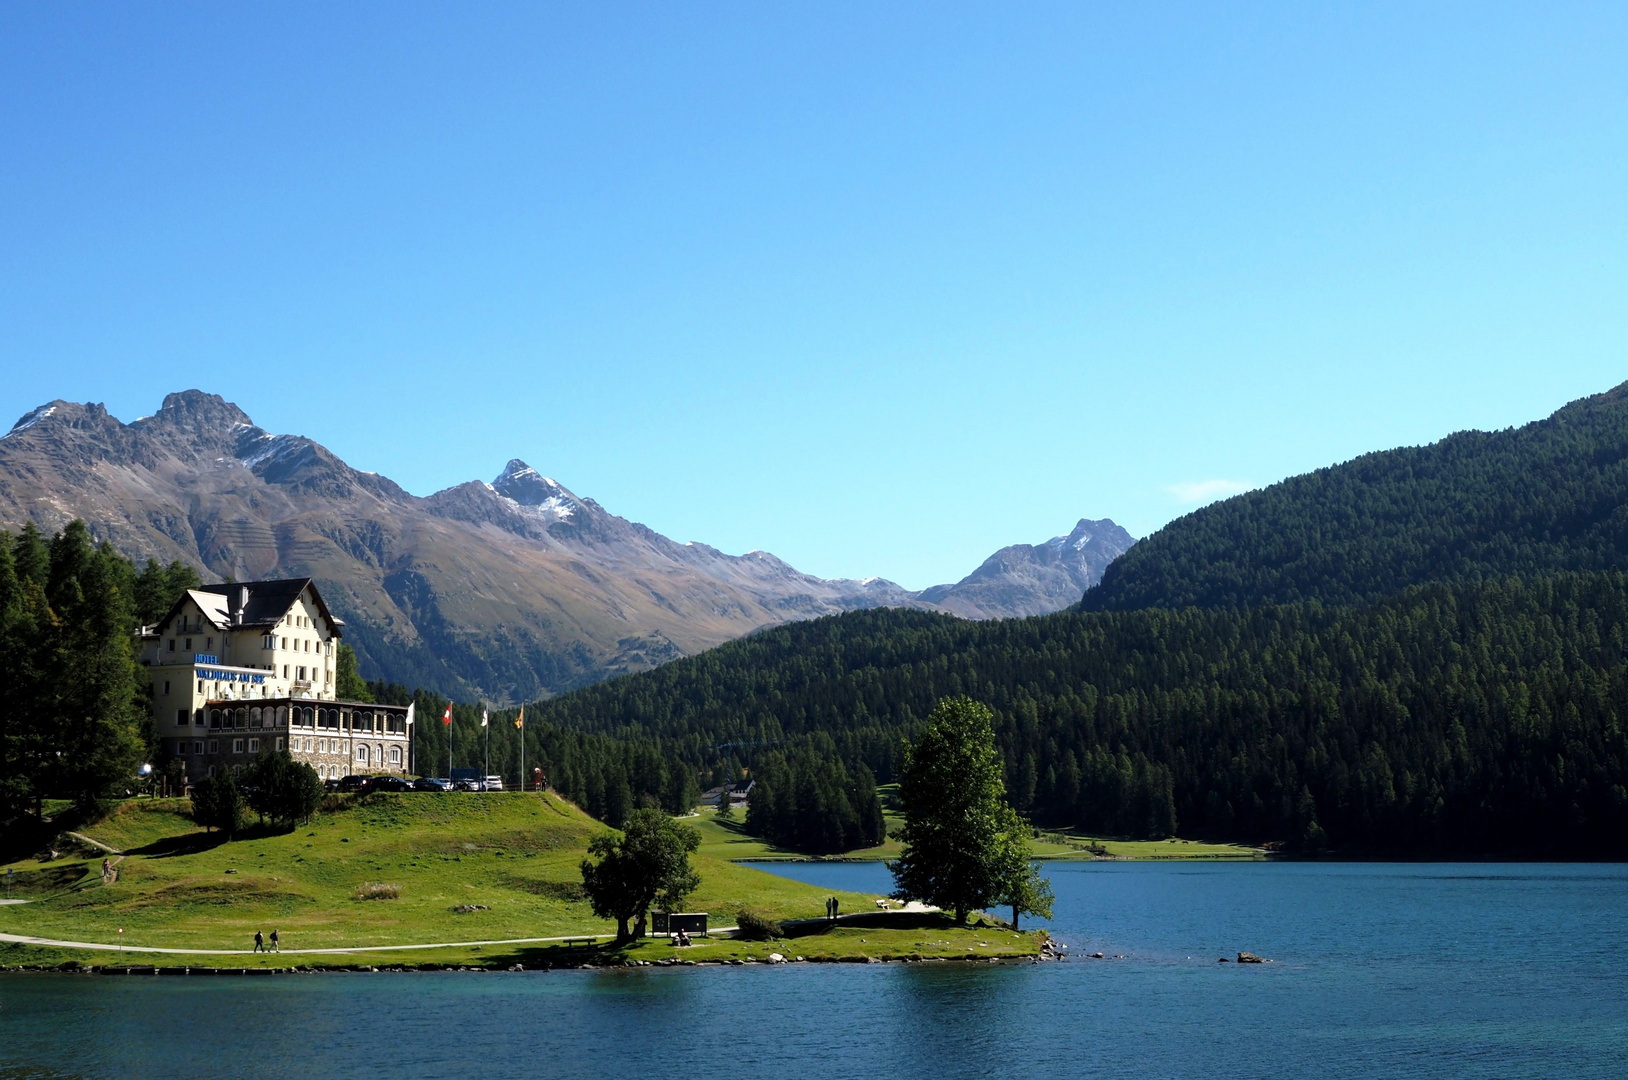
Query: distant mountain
[511, 590]
[1550, 495]
[1035, 579]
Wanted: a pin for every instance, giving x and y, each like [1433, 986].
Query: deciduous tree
[647, 863]
[958, 830]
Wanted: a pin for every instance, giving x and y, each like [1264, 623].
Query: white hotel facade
[239, 668]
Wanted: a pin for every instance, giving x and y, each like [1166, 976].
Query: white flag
[483, 718]
[410, 705]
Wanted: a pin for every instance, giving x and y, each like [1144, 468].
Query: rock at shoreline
[1251, 958]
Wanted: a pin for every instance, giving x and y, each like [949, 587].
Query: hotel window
[285, 671]
[197, 746]
[198, 718]
[211, 770]
[166, 686]
[188, 645]
[322, 746]
[200, 686]
[214, 746]
[209, 643]
[237, 746]
[395, 755]
[268, 642]
[172, 644]
[254, 746]
[180, 746]
[301, 670]
[279, 742]
[181, 717]
[285, 643]
[361, 754]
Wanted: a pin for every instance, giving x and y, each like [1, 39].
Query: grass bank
[399, 870]
[728, 839]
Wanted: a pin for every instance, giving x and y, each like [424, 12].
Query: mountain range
[509, 590]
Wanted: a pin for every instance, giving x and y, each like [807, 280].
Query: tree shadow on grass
[187, 844]
[900, 920]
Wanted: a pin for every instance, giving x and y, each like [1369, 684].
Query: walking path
[23, 939]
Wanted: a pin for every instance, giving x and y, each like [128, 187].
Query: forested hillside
[1552, 495]
[1455, 718]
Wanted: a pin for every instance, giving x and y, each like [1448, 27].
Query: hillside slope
[1551, 495]
[1469, 718]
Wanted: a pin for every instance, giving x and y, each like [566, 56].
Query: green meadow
[410, 869]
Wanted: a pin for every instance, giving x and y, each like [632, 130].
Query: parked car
[389, 783]
[330, 785]
[432, 783]
[354, 782]
[471, 785]
[494, 783]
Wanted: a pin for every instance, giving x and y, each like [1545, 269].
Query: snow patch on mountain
[30, 419]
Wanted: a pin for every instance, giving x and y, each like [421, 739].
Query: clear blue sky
[878, 289]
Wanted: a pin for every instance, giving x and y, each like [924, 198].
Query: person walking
[275, 947]
[836, 908]
[259, 942]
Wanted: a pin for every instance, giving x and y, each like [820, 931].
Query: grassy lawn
[510, 860]
[729, 840]
[1077, 845]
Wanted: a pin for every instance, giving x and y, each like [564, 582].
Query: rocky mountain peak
[526, 486]
[195, 413]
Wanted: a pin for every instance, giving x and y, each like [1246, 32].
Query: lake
[1415, 970]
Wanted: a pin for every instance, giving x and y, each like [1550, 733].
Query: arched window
[242, 718]
[214, 718]
[254, 717]
[395, 755]
[282, 715]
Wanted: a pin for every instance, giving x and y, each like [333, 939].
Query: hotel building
[238, 668]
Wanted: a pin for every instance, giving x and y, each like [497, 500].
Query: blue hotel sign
[231, 676]
[205, 658]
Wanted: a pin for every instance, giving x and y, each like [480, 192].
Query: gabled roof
[268, 602]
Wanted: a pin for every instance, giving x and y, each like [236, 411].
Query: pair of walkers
[262, 945]
[831, 909]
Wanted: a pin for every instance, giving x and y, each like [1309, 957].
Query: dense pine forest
[1552, 495]
[1455, 718]
[76, 722]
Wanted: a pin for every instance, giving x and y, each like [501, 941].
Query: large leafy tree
[282, 789]
[962, 842]
[217, 803]
[648, 863]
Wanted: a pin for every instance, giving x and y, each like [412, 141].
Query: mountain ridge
[1548, 495]
[510, 590]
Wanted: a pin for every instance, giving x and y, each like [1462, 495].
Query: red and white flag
[447, 719]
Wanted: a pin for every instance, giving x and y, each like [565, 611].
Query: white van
[494, 783]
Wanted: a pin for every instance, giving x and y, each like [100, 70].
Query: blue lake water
[1416, 970]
